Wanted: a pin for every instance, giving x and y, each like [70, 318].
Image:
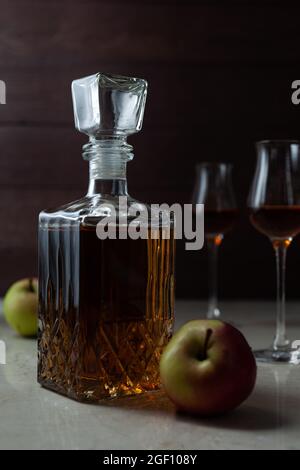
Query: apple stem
[207, 338]
[31, 288]
[203, 353]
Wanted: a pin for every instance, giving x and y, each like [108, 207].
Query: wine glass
[213, 188]
[274, 203]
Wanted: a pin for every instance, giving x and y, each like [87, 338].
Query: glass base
[213, 314]
[271, 356]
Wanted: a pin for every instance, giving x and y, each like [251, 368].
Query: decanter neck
[108, 157]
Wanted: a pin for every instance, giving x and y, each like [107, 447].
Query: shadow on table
[249, 417]
[246, 418]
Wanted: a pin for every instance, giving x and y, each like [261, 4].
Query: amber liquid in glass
[277, 221]
[106, 312]
[219, 221]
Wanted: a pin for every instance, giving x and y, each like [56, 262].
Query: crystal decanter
[106, 305]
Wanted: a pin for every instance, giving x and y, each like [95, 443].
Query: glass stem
[280, 342]
[213, 243]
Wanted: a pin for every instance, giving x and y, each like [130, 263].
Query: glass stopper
[108, 105]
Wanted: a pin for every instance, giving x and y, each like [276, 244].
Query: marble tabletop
[34, 418]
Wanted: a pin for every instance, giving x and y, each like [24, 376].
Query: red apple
[208, 368]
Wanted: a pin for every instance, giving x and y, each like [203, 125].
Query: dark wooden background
[219, 78]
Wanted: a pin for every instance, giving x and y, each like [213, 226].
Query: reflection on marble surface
[35, 418]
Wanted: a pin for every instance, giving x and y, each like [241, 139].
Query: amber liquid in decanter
[107, 310]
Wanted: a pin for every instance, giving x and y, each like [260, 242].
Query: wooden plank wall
[219, 79]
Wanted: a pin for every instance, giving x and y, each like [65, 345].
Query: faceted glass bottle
[106, 306]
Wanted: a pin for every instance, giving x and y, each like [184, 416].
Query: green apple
[20, 306]
[208, 368]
